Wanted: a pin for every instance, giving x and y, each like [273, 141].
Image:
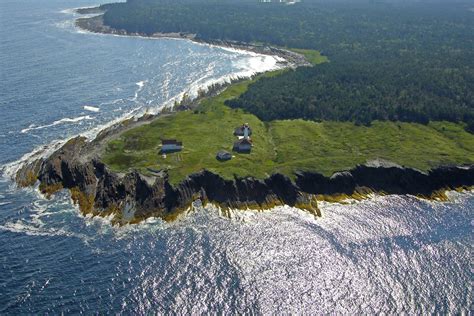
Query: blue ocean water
[388, 254]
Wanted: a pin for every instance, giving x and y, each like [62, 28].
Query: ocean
[387, 254]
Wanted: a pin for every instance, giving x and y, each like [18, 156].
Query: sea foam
[254, 63]
[91, 108]
[58, 122]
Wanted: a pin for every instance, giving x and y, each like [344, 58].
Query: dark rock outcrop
[133, 197]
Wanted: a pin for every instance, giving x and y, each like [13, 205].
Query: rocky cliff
[133, 197]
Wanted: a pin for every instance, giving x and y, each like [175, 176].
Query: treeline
[409, 62]
[362, 93]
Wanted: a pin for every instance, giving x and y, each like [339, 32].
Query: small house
[243, 145]
[223, 155]
[243, 130]
[170, 146]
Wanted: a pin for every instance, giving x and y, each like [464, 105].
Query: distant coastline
[96, 24]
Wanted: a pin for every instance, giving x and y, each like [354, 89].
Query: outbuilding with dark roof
[170, 146]
[243, 145]
[223, 155]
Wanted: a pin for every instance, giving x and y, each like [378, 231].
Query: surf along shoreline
[133, 197]
[95, 24]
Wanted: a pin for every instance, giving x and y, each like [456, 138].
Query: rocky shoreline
[96, 24]
[133, 197]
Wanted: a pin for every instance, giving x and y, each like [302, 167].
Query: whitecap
[58, 122]
[141, 83]
[25, 228]
[91, 108]
[21, 227]
[68, 11]
[257, 64]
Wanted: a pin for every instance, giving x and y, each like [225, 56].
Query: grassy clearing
[283, 146]
[203, 133]
[313, 56]
[334, 146]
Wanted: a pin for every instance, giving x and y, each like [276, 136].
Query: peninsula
[340, 124]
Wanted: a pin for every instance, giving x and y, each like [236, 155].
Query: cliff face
[387, 179]
[132, 197]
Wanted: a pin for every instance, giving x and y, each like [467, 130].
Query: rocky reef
[132, 197]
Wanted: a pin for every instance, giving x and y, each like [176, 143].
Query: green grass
[283, 146]
[313, 56]
[335, 146]
[203, 134]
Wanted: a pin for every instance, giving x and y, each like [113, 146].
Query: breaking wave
[91, 108]
[248, 65]
[33, 127]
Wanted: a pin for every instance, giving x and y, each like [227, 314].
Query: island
[367, 114]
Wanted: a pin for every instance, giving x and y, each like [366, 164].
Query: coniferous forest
[405, 61]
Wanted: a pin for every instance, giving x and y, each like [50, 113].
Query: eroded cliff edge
[132, 197]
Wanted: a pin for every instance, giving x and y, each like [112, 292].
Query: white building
[244, 144]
